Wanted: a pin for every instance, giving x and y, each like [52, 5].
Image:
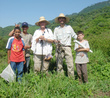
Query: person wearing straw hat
[63, 35]
[41, 46]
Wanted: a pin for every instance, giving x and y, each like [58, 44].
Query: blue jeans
[26, 66]
[19, 66]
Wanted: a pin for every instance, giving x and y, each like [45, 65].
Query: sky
[15, 11]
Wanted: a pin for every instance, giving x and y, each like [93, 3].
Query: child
[27, 40]
[16, 53]
[81, 57]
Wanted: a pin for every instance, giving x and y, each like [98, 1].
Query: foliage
[56, 85]
[96, 6]
[96, 27]
[3, 42]
[100, 42]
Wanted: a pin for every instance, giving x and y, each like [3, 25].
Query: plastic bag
[8, 74]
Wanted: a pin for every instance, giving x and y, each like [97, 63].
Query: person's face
[80, 37]
[42, 24]
[17, 33]
[62, 20]
[25, 28]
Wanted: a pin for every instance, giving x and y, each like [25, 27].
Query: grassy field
[58, 86]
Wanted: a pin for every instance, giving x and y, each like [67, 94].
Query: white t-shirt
[81, 59]
[37, 46]
[64, 34]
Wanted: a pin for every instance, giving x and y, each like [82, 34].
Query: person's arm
[55, 36]
[27, 46]
[45, 39]
[37, 39]
[74, 35]
[49, 40]
[82, 49]
[8, 55]
[24, 56]
[11, 33]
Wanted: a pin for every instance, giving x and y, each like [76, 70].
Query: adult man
[63, 34]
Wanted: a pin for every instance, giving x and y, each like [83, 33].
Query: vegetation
[96, 6]
[96, 26]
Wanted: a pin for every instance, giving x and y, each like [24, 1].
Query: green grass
[58, 86]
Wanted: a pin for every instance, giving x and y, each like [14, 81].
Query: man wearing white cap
[41, 46]
[63, 34]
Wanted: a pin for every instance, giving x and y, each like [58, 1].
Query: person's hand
[8, 61]
[17, 25]
[56, 41]
[42, 37]
[27, 47]
[81, 54]
[87, 49]
[25, 62]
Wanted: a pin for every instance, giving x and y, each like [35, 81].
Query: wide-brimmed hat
[42, 19]
[61, 15]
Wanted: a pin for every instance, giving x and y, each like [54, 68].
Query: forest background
[94, 21]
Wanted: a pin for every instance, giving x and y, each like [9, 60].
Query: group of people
[40, 43]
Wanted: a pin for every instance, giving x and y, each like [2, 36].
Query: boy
[27, 40]
[16, 53]
[81, 57]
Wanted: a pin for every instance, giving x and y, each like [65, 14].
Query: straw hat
[42, 19]
[61, 15]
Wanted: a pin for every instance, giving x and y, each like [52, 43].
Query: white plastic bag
[82, 45]
[8, 74]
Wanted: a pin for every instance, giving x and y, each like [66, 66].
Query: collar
[62, 27]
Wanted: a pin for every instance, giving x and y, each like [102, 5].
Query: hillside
[77, 20]
[95, 6]
[96, 26]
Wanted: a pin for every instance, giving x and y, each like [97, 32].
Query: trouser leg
[20, 66]
[59, 58]
[26, 66]
[84, 72]
[37, 63]
[69, 61]
[78, 68]
[13, 66]
[45, 66]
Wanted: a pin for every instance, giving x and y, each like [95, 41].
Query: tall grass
[59, 86]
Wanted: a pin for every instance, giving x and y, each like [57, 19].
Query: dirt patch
[102, 94]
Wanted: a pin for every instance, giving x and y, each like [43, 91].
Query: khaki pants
[82, 70]
[67, 54]
[38, 64]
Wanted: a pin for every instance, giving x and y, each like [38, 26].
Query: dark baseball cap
[24, 24]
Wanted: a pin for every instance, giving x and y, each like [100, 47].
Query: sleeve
[73, 33]
[87, 45]
[10, 40]
[76, 46]
[23, 44]
[55, 35]
[51, 34]
[31, 38]
[35, 36]
[33, 42]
